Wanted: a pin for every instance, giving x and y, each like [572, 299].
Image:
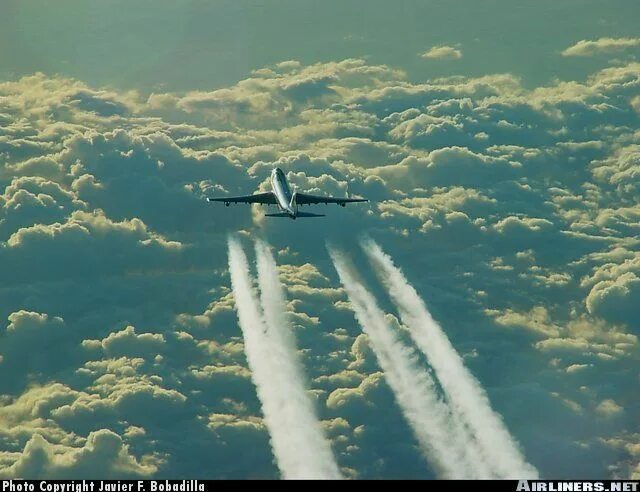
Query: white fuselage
[282, 192]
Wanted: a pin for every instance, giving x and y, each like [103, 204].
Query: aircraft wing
[265, 198]
[304, 199]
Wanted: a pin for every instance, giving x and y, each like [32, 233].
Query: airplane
[286, 201]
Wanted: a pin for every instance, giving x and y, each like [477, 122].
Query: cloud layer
[515, 209]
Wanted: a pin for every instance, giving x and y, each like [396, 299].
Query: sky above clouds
[498, 142]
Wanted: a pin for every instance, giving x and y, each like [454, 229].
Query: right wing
[267, 198]
[304, 199]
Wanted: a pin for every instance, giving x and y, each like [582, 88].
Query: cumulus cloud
[615, 299]
[442, 52]
[601, 46]
[103, 450]
[609, 408]
[44, 337]
[128, 342]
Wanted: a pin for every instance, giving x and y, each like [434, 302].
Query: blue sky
[186, 44]
[498, 142]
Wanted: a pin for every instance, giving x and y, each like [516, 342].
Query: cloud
[601, 46]
[609, 408]
[620, 170]
[443, 52]
[537, 320]
[81, 246]
[103, 450]
[45, 337]
[617, 299]
[127, 342]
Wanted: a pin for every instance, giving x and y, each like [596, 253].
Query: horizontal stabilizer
[299, 214]
[308, 214]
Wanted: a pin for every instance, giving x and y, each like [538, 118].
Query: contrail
[463, 390]
[280, 398]
[440, 438]
[300, 412]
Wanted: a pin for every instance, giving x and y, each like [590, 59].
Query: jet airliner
[286, 200]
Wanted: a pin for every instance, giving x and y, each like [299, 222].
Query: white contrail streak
[464, 392]
[441, 440]
[300, 413]
[295, 457]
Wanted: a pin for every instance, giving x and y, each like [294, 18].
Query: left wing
[266, 198]
[304, 199]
